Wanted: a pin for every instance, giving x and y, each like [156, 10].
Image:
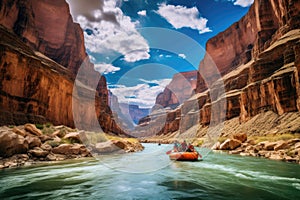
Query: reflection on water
[218, 176]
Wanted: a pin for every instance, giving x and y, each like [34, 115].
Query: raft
[184, 156]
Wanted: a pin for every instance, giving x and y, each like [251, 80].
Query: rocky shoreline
[285, 149]
[30, 144]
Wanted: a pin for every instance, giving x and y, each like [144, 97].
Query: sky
[138, 45]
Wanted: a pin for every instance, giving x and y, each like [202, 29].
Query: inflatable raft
[185, 156]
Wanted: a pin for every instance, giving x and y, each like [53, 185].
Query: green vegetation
[48, 125]
[198, 142]
[11, 126]
[222, 139]
[113, 137]
[39, 126]
[48, 130]
[274, 138]
[53, 143]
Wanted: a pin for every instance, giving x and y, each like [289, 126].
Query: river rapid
[151, 175]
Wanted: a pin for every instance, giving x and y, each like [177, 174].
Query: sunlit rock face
[41, 52]
[180, 89]
[258, 58]
[47, 27]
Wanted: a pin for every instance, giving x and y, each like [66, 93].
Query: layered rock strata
[41, 52]
[258, 60]
[179, 89]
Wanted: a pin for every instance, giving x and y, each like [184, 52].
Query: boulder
[244, 154]
[237, 151]
[31, 128]
[33, 141]
[106, 147]
[46, 147]
[38, 152]
[269, 145]
[45, 138]
[56, 133]
[230, 144]
[74, 136]
[119, 144]
[293, 141]
[55, 157]
[297, 145]
[19, 132]
[291, 159]
[276, 156]
[265, 154]
[281, 145]
[240, 136]
[216, 146]
[71, 149]
[12, 143]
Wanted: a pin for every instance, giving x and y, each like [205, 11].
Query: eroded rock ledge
[24, 145]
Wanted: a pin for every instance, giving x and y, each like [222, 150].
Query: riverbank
[30, 144]
[282, 147]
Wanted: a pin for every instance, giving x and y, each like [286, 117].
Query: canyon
[41, 55]
[258, 60]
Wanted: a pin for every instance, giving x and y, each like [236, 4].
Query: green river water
[151, 175]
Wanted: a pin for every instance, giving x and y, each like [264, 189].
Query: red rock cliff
[180, 89]
[47, 27]
[41, 51]
[265, 22]
[259, 60]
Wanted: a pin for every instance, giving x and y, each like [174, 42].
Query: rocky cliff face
[180, 89]
[47, 27]
[41, 50]
[258, 58]
[265, 22]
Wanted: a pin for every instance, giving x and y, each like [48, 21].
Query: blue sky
[138, 45]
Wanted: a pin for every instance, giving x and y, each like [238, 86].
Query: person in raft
[190, 148]
[184, 146]
[176, 147]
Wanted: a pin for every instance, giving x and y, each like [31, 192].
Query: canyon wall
[258, 58]
[40, 54]
[179, 89]
[265, 22]
[47, 27]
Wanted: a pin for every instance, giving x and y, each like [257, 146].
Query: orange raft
[184, 156]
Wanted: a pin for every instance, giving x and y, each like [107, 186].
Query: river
[151, 175]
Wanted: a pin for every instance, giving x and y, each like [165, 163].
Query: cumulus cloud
[142, 13]
[182, 55]
[243, 3]
[108, 30]
[104, 68]
[181, 16]
[144, 94]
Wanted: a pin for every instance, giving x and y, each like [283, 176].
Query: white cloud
[142, 13]
[145, 95]
[92, 58]
[182, 55]
[113, 33]
[243, 3]
[181, 16]
[104, 68]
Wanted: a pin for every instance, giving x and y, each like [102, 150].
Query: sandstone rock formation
[41, 51]
[47, 27]
[258, 59]
[62, 143]
[11, 143]
[180, 89]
